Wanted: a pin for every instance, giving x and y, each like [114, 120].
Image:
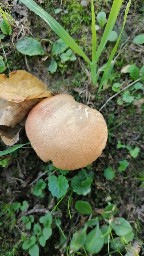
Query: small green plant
[60, 55]
[133, 151]
[96, 50]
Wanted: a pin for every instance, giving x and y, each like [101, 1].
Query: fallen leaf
[18, 95]
[20, 86]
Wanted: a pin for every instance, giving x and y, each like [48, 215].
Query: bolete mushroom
[70, 134]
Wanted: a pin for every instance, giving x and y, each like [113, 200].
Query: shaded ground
[125, 124]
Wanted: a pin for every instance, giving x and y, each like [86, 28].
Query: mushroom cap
[70, 134]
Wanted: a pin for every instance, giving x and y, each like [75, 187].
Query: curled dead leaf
[19, 93]
[20, 86]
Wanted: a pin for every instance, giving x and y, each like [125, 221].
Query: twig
[41, 175]
[116, 94]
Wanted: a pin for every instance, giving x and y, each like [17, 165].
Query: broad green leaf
[37, 229]
[56, 27]
[58, 47]
[109, 173]
[123, 165]
[113, 36]
[83, 207]
[24, 206]
[92, 222]
[94, 241]
[134, 152]
[58, 186]
[46, 220]
[30, 46]
[127, 97]
[138, 86]
[101, 18]
[12, 149]
[78, 240]
[139, 39]
[2, 65]
[121, 226]
[47, 233]
[109, 211]
[39, 187]
[81, 183]
[116, 87]
[134, 72]
[42, 241]
[116, 244]
[29, 243]
[128, 238]
[68, 55]
[34, 250]
[2, 36]
[5, 27]
[106, 231]
[52, 67]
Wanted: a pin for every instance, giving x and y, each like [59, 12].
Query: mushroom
[70, 134]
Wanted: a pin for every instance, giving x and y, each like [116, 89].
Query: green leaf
[83, 207]
[2, 36]
[94, 241]
[134, 72]
[92, 222]
[34, 250]
[134, 152]
[29, 243]
[46, 220]
[58, 186]
[109, 211]
[2, 65]
[109, 173]
[78, 240]
[116, 244]
[39, 187]
[101, 18]
[68, 55]
[11, 149]
[106, 231]
[116, 87]
[115, 9]
[58, 47]
[52, 67]
[47, 233]
[139, 39]
[56, 27]
[42, 241]
[123, 165]
[5, 27]
[30, 46]
[81, 183]
[25, 206]
[113, 36]
[37, 229]
[121, 226]
[127, 97]
[138, 86]
[128, 238]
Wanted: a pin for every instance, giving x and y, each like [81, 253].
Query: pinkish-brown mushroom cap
[70, 134]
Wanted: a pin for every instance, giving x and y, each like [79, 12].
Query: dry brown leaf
[21, 86]
[18, 95]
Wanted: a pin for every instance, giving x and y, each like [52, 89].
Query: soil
[125, 124]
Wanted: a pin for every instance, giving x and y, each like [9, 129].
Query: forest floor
[123, 184]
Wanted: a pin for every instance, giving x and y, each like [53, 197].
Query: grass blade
[108, 65]
[94, 42]
[56, 27]
[11, 149]
[110, 24]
